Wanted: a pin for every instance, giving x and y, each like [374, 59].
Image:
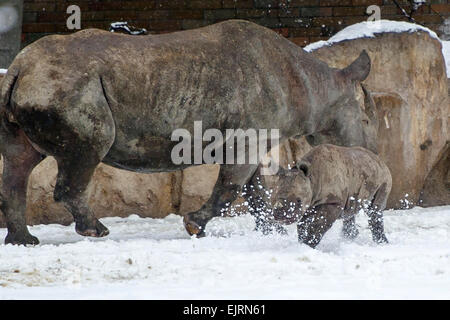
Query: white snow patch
[3, 71]
[155, 259]
[369, 29]
[446, 53]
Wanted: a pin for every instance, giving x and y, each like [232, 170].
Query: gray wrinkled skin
[96, 96]
[328, 183]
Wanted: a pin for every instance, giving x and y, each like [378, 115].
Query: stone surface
[436, 190]
[409, 84]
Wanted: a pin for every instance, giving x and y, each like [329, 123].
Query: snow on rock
[446, 53]
[368, 29]
[155, 259]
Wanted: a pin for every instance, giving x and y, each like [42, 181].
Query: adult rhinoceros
[96, 96]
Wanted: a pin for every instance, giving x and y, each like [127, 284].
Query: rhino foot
[194, 227]
[380, 239]
[350, 234]
[23, 238]
[95, 229]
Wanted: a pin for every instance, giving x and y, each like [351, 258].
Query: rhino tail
[7, 88]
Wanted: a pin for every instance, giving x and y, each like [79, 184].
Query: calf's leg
[316, 222]
[349, 229]
[260, 210]
[375, 213]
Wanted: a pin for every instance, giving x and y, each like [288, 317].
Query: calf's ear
[359, 69]
[303, 166]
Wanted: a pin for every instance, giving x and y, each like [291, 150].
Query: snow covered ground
[155, 259]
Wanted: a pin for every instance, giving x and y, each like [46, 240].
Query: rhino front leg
[19, 159]
[312, 227]
[349, 229]
[228, 185]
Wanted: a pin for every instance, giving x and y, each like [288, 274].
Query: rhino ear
[359, 69]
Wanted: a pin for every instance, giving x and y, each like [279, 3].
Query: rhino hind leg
[349, 229]
[229, 183]
[312, 227]
[71, 189]
[19, 159]
[77, 129]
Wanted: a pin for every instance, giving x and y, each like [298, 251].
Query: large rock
[409, 83]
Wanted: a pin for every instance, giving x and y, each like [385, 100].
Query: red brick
[428, 18]
[335, 3]
[95, 24]
[316, 12]
[283, 31]
[441, 8]
[315, 39]
[389, 10]
[92, 15]
[285, 12]
[171, 4]
[153, 14]
[349, 11]
[250, 13]
[305, 32]
[304, 3]
[120, 15]
[161, 25]
[51, 16]
[300, 41]
[186, 14]
[367, 2]
[327, 21]
[246, 4]
[352, 20]
[267, 3]
[39, 28]
[201, 4]
[40, 6]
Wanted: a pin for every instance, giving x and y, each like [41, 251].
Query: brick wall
[302, 21]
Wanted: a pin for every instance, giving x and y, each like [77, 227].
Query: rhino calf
[328, 183]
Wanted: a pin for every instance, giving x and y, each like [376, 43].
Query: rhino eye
[304, 168]
[366, 122]
[310, 139]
